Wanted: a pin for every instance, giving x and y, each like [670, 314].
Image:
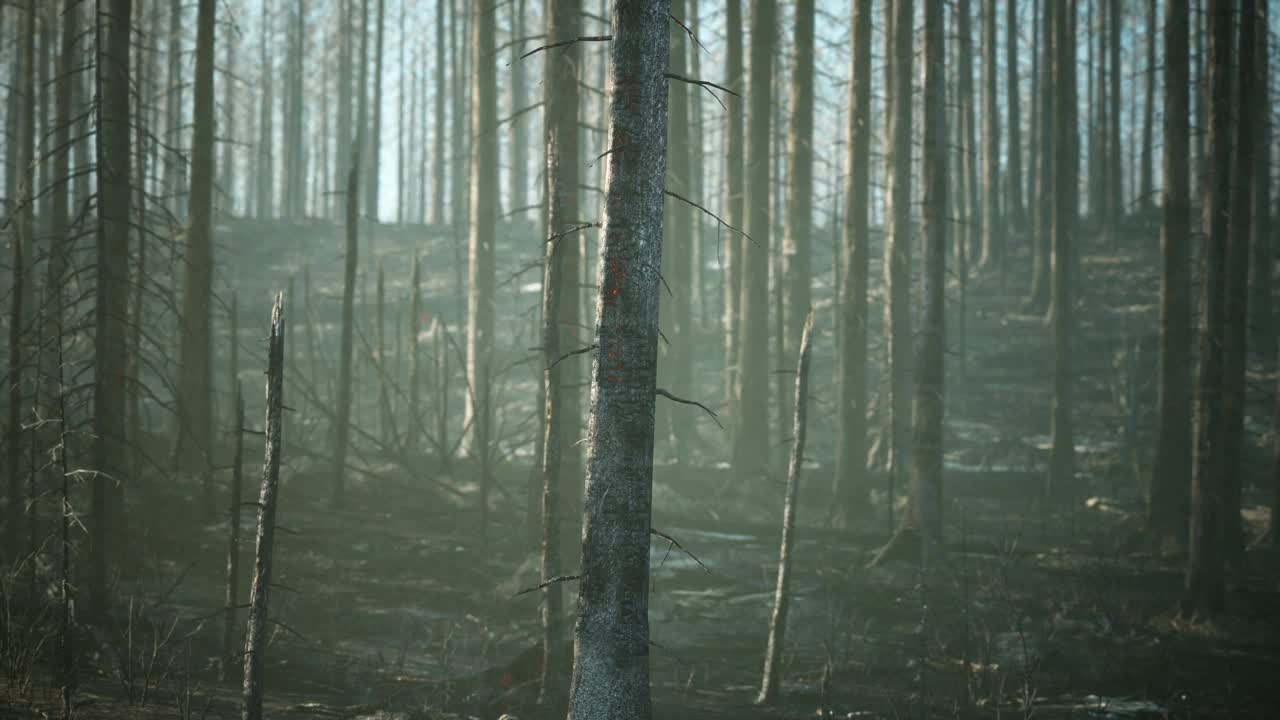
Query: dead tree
[341, 430]
[611, 636]
[259, 592]
[778, 622]
[1204, 593]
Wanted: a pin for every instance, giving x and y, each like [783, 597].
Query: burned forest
[639, 359]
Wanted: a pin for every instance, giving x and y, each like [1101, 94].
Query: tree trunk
[676, 364]
[342, 148]
[195, 376]
[851, 480]
[23, 238]
[796, 272]
[778, 621]
[441, 159]
[111, 304]
[478, 410]
[897, 245]
[1038, 300]
[1115, 182]
[735, 245]
[233, 541]
[992, 236]
[1015, 211]
[751, 441]
[259, 593]
[1204, 593]
[1262, 320]
[173, 169]
[341, 430]
[227, 165]
[929, 392]
[1147, 192]
[414, 424]
[967, 229]
[266, 129]
[1060, 484]
[697, 182]
[458, 161]
[372, 185]
[1171, 472]
[1235, 352]
[611, 636]
[559, 335]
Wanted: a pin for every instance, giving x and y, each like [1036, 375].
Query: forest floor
[394, 607]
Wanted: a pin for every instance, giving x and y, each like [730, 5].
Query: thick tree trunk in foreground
[259, 593]
[341, 428]
[195, 367]
[778, 622]
[111, 305]
[851, 479]
[1204, 580]
[751, 440]
[1167, 505]
[611, 637]
[561, 511]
